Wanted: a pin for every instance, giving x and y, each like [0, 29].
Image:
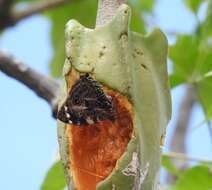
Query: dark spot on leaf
[144, 66]
[138, 52]
[101, 54]
[69, 59]
[123, 34]
[134, 55]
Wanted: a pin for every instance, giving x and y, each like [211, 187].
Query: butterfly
[86, 103]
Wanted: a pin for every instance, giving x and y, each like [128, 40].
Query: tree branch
[178, 140]
[5, 18]
[35, 8]
[5, 7]
[42, 85]
[9, 17]
[184, 157]
[106, 10]
[178, 143]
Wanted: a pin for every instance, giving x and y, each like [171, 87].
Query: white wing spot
[66, 108]
[89, 121]
[68, 115]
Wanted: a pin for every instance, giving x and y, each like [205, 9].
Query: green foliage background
[193, 66]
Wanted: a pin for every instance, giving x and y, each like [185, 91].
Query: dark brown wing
[86, 103]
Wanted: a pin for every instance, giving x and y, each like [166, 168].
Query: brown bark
[43, 86]
[9, 16]
[5, 17]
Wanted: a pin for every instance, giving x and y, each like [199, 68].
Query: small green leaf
[192, 57]
[19, 1]
[193, 4]
[195, 178]
[137, 22]
[138, 7]
[166, 163]
[204, 84]
[55, 179]
[175, 80]
[204, 89]
[147, 4]
[142, 5]
[207, 25]
[184, 55]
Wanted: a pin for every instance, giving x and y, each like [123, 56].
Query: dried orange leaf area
[94, 149]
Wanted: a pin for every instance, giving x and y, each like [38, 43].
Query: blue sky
[28, 139]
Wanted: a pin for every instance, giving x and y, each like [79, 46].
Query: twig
[5, 7]
[10, 16]
[179, 135]
[106, 10]
[178, 139]
[35, 8]
[181, 156]
[5, 18]
[42, 85]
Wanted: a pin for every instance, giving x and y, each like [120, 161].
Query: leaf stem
[181, 156]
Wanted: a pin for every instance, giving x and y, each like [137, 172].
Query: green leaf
[204, 89]
[137, 22]
[55, 179]
[207, 25]
[138, 7]
[143, 5]
[192, 57]
[184, 55]
[193, 4]
[166, 163]
[147, 4]
[175, 80]
[203, 68]
[195, 178]
[83, 11]
[204, 84]
[18, 1]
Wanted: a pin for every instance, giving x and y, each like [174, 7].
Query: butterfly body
[86, 103]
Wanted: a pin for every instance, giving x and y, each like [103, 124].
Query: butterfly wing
[86, 103]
